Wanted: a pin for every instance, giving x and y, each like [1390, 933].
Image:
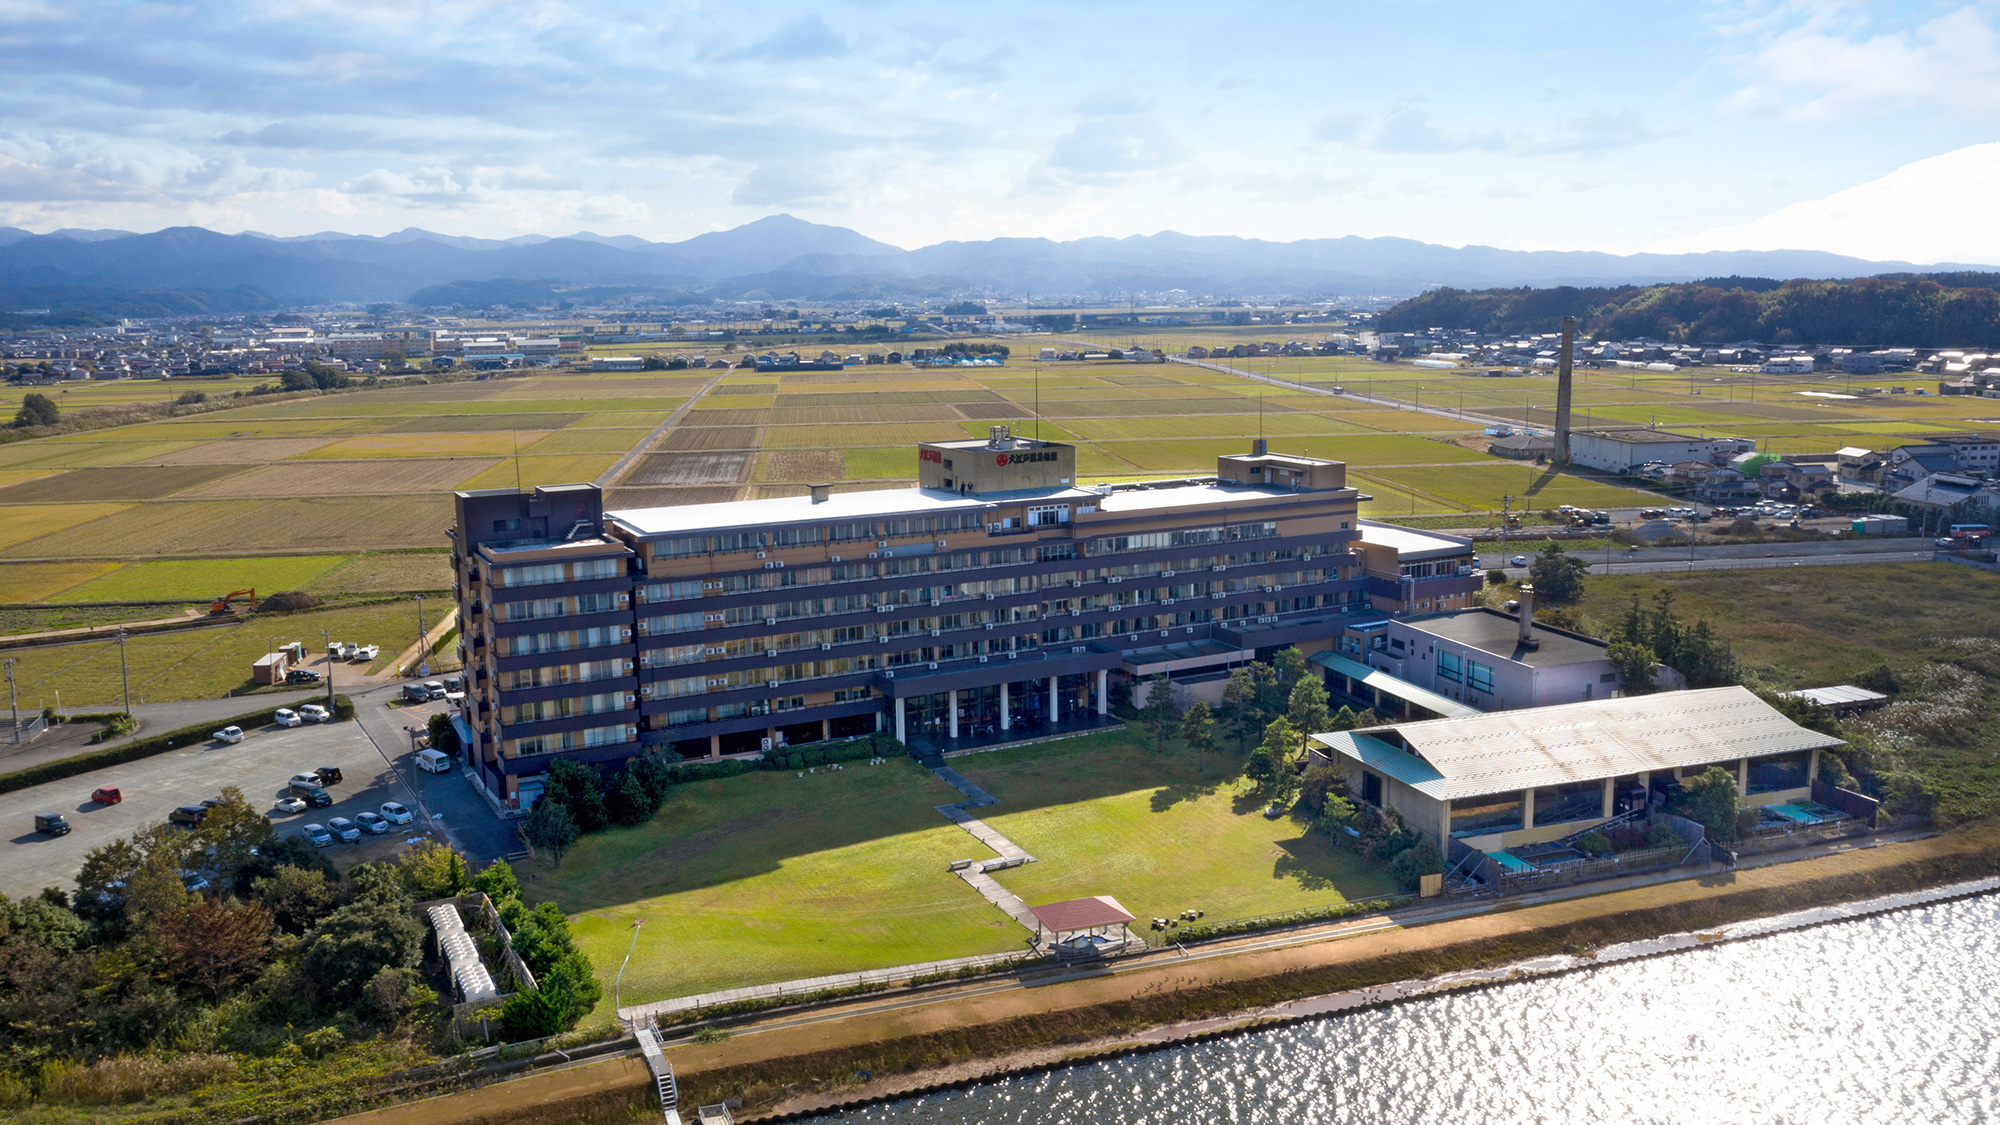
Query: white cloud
[1935, 210]
[1834, 63]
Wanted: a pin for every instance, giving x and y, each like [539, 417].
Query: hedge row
[138, 748]
[810, 756]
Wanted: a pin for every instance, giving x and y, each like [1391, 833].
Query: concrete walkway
[808, 986]
[1011, 854]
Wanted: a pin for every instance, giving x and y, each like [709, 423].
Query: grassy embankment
[768, 876]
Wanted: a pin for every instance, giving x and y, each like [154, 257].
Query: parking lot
[260, 765]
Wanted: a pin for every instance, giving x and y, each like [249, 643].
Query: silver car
[344, 829]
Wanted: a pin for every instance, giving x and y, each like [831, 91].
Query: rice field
[201, 579]
[26, 523]
[503, 444]
[346, 478]
[529, 472]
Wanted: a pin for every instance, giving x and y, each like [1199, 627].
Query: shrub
[1594, 844]
[1662, 835]
[1317, 784]
[1496, 577]
[124, 1079]
[1747, 821]
[343, 709]
[321, 1043]
[1423, 858]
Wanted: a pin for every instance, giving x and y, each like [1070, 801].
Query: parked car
[317, 835]
[311, 794]
[371, 823]
[314, 713]
[302, 676]
[366, 653]
[1518, 560]
[286, 717]
[187, 816]
[395, 813]
[195, 882]
[1947, 542]
[344, 828]
[433, 761]
[329, 775]
[417, 693]
[290, 805]
[309, 778]
[106, 795]
[348, 649]
[231, 735]
[333, 648]
[435, 688]
[51, 824]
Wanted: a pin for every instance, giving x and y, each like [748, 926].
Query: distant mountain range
[782, 257]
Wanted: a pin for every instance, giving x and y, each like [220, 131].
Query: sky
[1538, 124]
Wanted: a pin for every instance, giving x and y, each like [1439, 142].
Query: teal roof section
[1389, 685]
[1385, 759]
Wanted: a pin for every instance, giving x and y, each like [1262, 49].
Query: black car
[188, 816]
[312, 795]
[328, 775]
[51, 824]
[302, 676]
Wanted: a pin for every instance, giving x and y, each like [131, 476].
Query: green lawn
[769, 877]
[1160, 832]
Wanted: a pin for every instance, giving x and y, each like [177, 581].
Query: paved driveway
[259, 765]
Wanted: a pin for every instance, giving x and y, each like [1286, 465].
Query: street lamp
[329, 668]
[124, 675]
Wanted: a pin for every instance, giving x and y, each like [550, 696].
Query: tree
[632, 803]
[1198, 727]
[550, 829]
[211, 944]
[294, 379]
[233, 833]
[444, 736]
[1318, 784]
[580, 789]
[1160, 714]
[296, 897]
[1239, 707]
[1557, 576]
[1419, 859]
[1289, 666]
[1711, 801]
[1270, 765]
[352, 944]
[1634, 664]
[100, 885]
[497, 882]
[432, 870]
[1343, 719]
[37, 409]
[1306, 710]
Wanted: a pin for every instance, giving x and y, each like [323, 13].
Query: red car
[107, 795]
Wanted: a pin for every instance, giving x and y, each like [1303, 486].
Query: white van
[433, 761]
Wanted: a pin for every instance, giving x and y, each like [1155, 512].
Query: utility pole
[323, 634]
[124, 674]
[423, 661]
[12, 704]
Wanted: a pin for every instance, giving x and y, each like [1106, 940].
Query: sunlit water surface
[1888, 1019]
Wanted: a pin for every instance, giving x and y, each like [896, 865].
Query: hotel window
[1561, 804]
[1779, 771]
[1451, 667]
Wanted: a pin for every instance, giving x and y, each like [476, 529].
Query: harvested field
[726, 418]
[686, 469]
[1123, 407]
[346, 478]
[33, 582]
[426, 445]
[690, 439]
[621, 419]
[228, 425]
[22, 524]
[243, 451]
[22, 476]
[1208, 425]
[221, 527]
[480, 423]
[71, 455]
[835, 382]
[139, 482]
[734, 402]
[806, 416]
[1043, 430]
[835, 437]
[971, 394]
[800, 465]
[398, 573]
[670, 497]
[574, 440]
[573, 468]
[202, 579]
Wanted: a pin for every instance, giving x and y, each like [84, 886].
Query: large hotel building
[997, 599]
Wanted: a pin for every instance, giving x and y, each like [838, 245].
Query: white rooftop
[1185, 495]
[1409, 541]
[1507, 750]
[838, 506]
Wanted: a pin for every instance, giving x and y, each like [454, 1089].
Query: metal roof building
[1491, 774]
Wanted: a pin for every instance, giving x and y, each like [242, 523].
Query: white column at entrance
[1527, 809]
[1742, 778]
[1052, 699]
[1006, 719]
[900, 737]
[951, 704]
[1103, 685]
[1607, 798]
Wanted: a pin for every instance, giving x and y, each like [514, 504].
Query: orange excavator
[222, 604]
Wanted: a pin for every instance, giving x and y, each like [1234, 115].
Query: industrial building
[1624, 450]
[1514, 778]
[996, 599]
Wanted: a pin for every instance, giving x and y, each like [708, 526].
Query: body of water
[1893, 1019]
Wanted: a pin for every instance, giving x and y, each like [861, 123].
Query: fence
[464, 1014]
[1860, 806]
[1474, 872]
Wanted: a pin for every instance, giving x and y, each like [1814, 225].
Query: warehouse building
[1516, 778]
[996, 599]
[1624, 450]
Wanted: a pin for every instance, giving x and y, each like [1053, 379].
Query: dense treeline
[1908, 310]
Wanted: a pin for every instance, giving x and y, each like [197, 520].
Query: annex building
[1513, 778]
[997, 597]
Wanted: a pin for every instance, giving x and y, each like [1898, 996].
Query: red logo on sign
[1000, 460]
